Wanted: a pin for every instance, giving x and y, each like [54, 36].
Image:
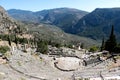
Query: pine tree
[103, 45]
[42, 47]
[16, 40]
[111, 42]
[9, 40]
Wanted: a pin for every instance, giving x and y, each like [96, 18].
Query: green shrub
[6, 36]
[22, 40]
[4, 49]
[93, 49]
[13, 38]
[42, 47]
[58, 45]
[68, 45]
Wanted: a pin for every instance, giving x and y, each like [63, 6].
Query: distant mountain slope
[65, 18]
[22, 15]
[55, 34]
[40, 24]
[98, 23]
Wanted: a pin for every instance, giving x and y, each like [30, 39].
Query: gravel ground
[24, 66]
[32, 65]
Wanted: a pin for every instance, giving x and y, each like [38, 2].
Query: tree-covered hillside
[98, 23]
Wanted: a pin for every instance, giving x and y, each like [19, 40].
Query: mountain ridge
[95, 25]
[98, 23]
[64, 18]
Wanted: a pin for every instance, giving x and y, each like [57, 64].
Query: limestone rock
[6, 22]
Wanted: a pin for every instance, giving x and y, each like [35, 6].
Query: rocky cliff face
[7, 24]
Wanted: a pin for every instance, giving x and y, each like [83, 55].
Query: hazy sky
[36, 5]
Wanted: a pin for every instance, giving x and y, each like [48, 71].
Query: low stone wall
[55, 64]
